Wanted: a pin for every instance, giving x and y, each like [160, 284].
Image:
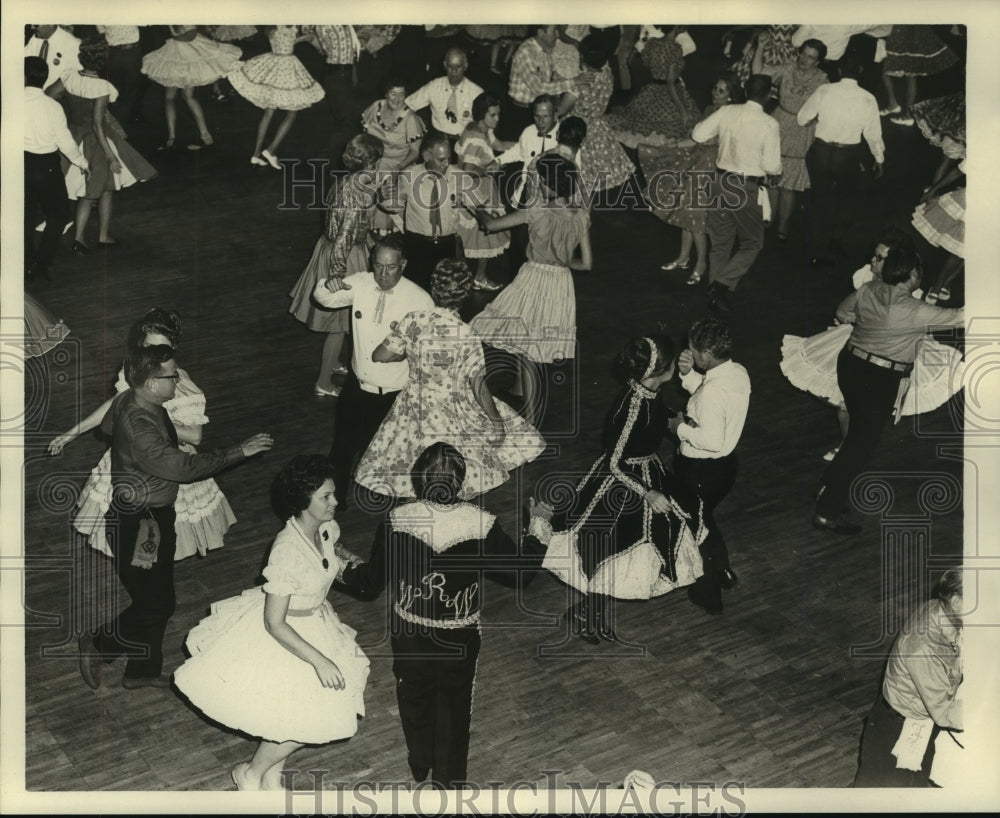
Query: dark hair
[734, 86]
[157, 321]
[949, 585]
[481, 106]
[851, 66]
[711, 335]
[535, 29]
[362, 151]
[432, 139]
[541, 99]
[557, 173]
[451, 281]
[392, 241]
[294, 486]
[36, 72]
[594, 52]
[758, 87]
[94, 54]
[572, 131]
[900, 263]
[393, 81]
[633, 359]
[143, 363]
[438, 474]
[819, 45]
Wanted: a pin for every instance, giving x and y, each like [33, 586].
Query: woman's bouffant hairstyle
[363, 151]
[711, 335]
[157, 321]
[393, 81]
[293, 488]
[734, 86]
[481, 106]
[142, 363]
[632, 361]
[572, 131]
[558, 174]
[594, 52]
[93, 54]
[899, 263]
[819, 45]
[451, 281]
[438, 474]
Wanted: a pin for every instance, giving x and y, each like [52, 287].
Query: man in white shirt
[59, 49]
[844, 113]
[450, 97]
[124, 68]
[534, 140]
[377, 299]
[708, 432]
[749, 152]
[45, 136]
[429, 196]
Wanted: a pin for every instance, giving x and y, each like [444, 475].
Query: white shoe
[239, 775]
[320, 392]
[256, 160]
[272, 160]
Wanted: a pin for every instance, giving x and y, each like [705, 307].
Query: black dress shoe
[727, 578]
[419, 773]
[82, 249]
[718, 299]
[837, 526]
[90, 662]
[713, 608]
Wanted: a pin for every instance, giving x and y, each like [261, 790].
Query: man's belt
[878, 360]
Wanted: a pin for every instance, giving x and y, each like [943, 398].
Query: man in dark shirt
[146, 467]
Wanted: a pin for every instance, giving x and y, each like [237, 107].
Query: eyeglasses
[174, 377]
[877, 257]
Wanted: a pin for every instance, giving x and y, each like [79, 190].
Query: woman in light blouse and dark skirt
[432, 554]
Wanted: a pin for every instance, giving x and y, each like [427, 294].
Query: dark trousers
[516, 117]
[735, 215]
[338, 83]
[44, 188]
[712, 479]
[834, 179]
[423, 252]
[355, 422]
[876, 764]
[125, 72]
[869, 394]
[435, 670]
[138, 630]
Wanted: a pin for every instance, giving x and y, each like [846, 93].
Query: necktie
[44, 53]
[451, 109]
[435, 205]
[380, 305]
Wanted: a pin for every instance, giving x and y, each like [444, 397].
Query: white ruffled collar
[442, 526]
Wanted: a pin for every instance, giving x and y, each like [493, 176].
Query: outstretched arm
[92, 421]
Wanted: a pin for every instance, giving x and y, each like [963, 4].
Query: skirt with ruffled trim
[942, 122]
[203, 513]
[241, 676]
[41, 331]
[189, 64]
[277, 81]
[942, 221]
[304, 307]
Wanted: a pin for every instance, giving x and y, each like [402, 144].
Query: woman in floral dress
[341, 250]
[672, 174]
[203, 512]
[446, 399]
[663, 108]
[795, 82]
[603, 164]
[276, 81]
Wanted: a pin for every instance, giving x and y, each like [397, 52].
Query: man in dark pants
[45, 135]
[708, 432]
[888, 325]
[124, 68]
[146, 468]
[376, 300]
[341, 47]
[844, 113]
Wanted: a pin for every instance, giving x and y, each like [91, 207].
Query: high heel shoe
[676, 264]
[272, 160]
[206, 142]
[695, 278]
[167, 146]
[82, 249]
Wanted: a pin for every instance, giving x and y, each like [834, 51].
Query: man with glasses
[449, 97]
[146, 467]
[377, 300]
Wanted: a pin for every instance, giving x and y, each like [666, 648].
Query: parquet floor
[771, 693]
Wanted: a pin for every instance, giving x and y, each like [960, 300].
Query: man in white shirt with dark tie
[45, 137]
[844, 113]
[449, 97]
[534, 140]
[749, 152]
[376, 300]
[708, 432]
[59, 48]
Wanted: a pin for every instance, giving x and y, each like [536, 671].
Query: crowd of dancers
[415, 213]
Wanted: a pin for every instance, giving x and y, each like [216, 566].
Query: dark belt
[375, 390]
[339, 66]
[841, 145]
[878, 360]
[431, 239]
[758, 179]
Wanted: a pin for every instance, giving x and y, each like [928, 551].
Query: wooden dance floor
[769, 694]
